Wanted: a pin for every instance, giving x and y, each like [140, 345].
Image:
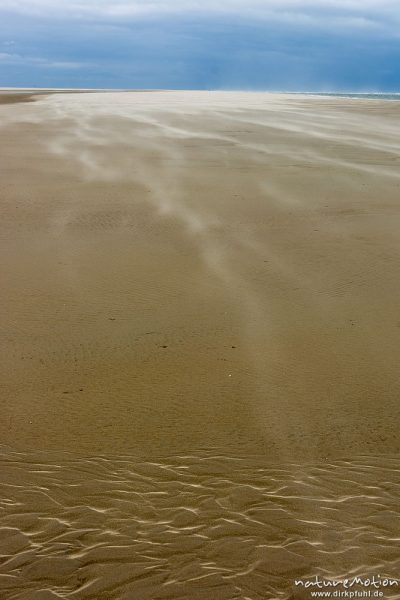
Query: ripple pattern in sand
[198, 526]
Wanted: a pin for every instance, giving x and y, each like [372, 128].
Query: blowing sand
[200, 341]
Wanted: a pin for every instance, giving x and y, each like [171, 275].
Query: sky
[273, 45]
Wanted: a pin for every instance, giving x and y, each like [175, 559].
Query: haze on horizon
[286, 45]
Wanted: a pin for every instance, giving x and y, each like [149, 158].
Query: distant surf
[357, 96]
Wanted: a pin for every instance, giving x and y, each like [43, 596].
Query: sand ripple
[198, 526]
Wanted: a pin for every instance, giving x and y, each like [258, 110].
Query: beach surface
[200, 340]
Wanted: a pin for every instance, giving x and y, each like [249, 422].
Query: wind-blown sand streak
[202, 274]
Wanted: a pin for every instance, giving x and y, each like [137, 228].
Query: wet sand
[199, 289]
[11, 98]
[193, 526]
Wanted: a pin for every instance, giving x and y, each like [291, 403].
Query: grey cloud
[7, 58]
[260, 8]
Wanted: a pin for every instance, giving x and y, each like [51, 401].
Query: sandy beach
[200, 342]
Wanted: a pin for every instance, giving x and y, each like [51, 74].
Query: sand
[200, 340]
[15, 98]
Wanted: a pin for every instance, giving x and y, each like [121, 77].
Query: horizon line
[244, 90]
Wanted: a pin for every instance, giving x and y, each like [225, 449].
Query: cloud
[345, 16]
[358, 12]
[25, 61]
[201, 44]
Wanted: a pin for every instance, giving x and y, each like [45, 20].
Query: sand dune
[203, 275]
